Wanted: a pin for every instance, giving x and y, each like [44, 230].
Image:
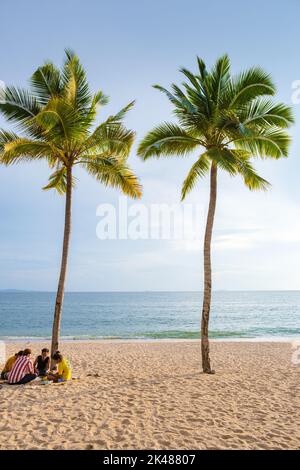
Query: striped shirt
[21, 367]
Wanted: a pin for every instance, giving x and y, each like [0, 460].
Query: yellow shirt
[9, 364]
[64, 369]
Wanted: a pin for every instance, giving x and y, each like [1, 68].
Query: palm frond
[61, 123]
[224, 159]
[264, 112]
[186, 104]
[110, 138]
[170, 96]
[21, 149]
[76, 89]
[99, 99]
[46, 83]
[202, 68]
[58, 181]
[6, 137]
[112, 172]
[251, 179]
[236, 161]
[167, 139]
[265, 143]
[198, 170]
[19, 106]
[191, 77]
[219, 78]
[247, 86]
[118, 118]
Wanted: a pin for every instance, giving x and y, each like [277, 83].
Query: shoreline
[273, 339]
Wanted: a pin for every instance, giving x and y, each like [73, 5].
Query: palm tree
[56, 119]
[227, 120]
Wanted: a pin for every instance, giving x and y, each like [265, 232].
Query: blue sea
[151, 315]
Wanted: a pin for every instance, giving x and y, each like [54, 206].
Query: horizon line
[13, 290]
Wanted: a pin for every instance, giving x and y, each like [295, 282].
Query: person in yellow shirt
[64, 371]
[9, 365]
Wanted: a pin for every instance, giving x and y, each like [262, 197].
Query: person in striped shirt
[23, 370]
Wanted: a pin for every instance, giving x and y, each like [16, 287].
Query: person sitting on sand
[42, 363]
[64, 371]
[9, 365]
[23, 370]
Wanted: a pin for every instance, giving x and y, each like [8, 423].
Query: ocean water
[147, 315]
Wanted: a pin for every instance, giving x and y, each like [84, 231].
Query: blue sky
[126, 47]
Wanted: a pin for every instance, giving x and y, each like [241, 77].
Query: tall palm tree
[57, 119]
[227, 120]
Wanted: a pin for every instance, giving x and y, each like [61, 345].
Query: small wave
[183, 334]
[250, 334]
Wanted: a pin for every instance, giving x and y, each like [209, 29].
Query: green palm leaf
[46, 83]
[109, 138]
[58, 181]
[21, 149]
[113, 172]
[19, 106]
[167, 139]
[61, 122]
[266, 143]
[6, 137]
[247, 86]
[75, 86]
[251, 179]
[263, 112]
[198, 170]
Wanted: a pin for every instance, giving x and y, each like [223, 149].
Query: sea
[235, 315]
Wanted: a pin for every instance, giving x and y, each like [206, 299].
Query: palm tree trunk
[64, 262]
[207, 271]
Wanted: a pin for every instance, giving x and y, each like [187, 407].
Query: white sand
[153, 396]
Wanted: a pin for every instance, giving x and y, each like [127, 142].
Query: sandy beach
[152, 395]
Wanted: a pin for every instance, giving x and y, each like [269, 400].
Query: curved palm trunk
[207, 271]
[63, 268]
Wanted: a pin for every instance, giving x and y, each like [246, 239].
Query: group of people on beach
[21, 369]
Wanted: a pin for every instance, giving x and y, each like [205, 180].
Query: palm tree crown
[229, 118]
[55, 120]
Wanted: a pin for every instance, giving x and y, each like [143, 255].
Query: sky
[126, 47]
